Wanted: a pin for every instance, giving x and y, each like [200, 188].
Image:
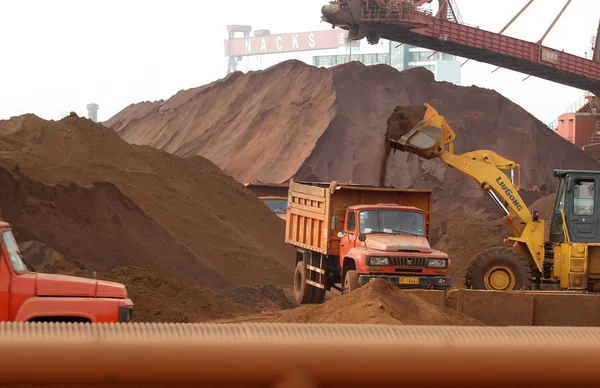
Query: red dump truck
[351, 234]
[31, 296]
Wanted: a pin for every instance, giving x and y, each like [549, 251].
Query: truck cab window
[391, 222]
[14, 254]
[583, 198]
[351, 225]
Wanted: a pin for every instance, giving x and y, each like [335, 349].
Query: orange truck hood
[61, 285]
[397, 242]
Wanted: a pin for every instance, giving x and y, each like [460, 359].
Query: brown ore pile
[295, 120]
[378, 302]
[174, 230]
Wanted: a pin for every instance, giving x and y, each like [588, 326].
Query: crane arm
[433, 138]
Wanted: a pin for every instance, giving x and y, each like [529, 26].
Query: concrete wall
[527, 308]
[435, 297]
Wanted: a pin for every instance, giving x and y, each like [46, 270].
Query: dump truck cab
[389, 241]
[350, 234]
[30, 296]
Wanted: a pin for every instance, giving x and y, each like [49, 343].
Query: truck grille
[408, 261]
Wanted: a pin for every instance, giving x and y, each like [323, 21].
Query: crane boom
[432, 138]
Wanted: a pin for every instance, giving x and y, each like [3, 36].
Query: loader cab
[577, 197]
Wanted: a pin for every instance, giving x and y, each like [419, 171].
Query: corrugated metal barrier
[291, 355]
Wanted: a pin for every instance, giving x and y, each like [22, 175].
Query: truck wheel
[303, 293]
[318, 294]
[499, 269]
[350, 281]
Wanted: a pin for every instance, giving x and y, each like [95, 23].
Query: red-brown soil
[294, 120]
[378, 302]
[78, 187]
[185, 237]
[157, 297]
[176, 231]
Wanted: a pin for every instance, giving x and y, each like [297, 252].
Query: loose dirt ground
[176, 231]
[378, 302]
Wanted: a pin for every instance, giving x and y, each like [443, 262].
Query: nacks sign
[283, 43]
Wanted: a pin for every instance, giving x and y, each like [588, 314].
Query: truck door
[4, 286]
[583, 218]
[349, 240]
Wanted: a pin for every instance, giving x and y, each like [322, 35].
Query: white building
[445, 67]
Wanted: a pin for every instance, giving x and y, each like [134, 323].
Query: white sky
[58, 55]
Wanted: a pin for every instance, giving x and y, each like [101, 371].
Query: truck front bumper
[424, 282]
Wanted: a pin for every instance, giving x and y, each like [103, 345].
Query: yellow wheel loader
[571, 257]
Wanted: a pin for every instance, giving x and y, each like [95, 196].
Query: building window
[420, 56]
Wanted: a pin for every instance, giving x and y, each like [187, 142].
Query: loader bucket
[419, 130]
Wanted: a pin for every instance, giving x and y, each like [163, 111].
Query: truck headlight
[379, 261]
[437, 263]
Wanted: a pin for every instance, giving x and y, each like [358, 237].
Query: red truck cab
[31, 296]
[389, 241]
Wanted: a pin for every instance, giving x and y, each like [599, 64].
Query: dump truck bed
[312, 205]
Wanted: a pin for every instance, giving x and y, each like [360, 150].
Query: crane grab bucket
[419, 130]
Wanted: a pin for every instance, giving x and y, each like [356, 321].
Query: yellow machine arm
[432, 138]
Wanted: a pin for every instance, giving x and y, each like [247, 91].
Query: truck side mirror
[362, 237]
[334, 222]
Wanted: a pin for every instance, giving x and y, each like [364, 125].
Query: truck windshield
[14, 254]
[391, 221]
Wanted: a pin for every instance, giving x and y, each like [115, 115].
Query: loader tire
[303, 293]
[350, 282]
[499, 269]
